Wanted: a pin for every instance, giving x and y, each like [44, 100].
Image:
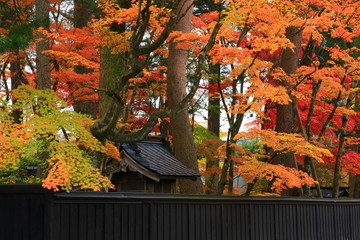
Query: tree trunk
[226, 168]
[354, 191]
[212, 181]
[214, 102]
[213, 126]
[183, 141]
[285, 117]
[82, 15]
[111, 70]
[83, 12]
[354, 183]
[43, 80]
[337, 170]
[17, 78]
[43, 77]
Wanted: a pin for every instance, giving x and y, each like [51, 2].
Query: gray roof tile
[156, 157]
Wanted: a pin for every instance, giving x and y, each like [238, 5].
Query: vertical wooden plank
[213, 222]
[48, 215]
[178, 216]
[224, 221]
[73, 221]
[269, 223]
[91, 221]
[132, 223]
[286, 219]
[108, 221]
[207, 221]
[168, 223]
[125, 221]
[17, 228]
[185, 221]
[117, 221]
[355, 222]
[146, 222]
[54, 222]
[99, 220]
[303, 226]
[259, 214]
[239, 223]
[191, 226]
[342, 224]
[160, 215]
[252, 222]
[230, 221]
[171, 219]
[197, 222]
[325, 218]
[153, 221]
[64, 221]
[219, 221]
[83, 221]
[245, 212]
[262, 218]
[139, 222]
[202, 219]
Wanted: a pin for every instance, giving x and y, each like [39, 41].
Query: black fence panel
[24, 213]
[31, 213]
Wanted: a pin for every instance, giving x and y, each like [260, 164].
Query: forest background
[133, 68]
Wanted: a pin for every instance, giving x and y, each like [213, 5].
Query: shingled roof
[155, 160]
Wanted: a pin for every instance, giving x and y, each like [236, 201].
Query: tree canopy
[293, 64]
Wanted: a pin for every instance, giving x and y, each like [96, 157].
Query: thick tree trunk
[43, 77]
[184, 146]
[17, 78]
[112, 68]
[285, 117]
[83, 12]
[82, 16]
[43, 80]
[110, 110]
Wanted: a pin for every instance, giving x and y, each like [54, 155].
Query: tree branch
[117, 136]
[110, 93]
[164, 34]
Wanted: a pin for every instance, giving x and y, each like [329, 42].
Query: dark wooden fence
[29, 212]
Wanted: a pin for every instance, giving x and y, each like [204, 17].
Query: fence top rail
[21, 189]
[139, 197]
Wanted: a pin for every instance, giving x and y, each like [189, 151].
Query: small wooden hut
[149, 166]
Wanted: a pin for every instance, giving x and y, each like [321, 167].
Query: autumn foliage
[248, 39]
[46, 128]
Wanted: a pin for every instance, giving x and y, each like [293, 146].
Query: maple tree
[294, 64]
[207, 146]
[119, 79]
[69, 152]
[262, 39]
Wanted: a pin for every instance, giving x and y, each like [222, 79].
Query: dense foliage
[294, 64]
